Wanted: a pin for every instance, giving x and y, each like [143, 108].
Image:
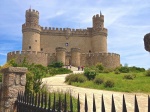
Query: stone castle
[78, 47]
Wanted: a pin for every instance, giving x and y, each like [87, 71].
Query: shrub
[56, 65]
[90, 73]
[117, 71]
[129, 76]
[147, 73]
[136, 69]
[123, 69]
[54, 71]
[100, 66]
[109, 83]
[98, 80]
[75, 78]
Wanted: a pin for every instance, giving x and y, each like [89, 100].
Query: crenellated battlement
[34, 12]
[98, 16]
[30, 27]
[101, 54]
[53, 30]
[37, 53]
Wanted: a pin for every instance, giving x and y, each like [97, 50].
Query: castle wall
[30, 56]
[109, 60]
[50, 39]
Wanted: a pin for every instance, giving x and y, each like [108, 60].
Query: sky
[127, 22]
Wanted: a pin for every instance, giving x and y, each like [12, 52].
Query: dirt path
[56, 83]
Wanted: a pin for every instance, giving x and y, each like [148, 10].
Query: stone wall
[109, 60]
[13, 81]
[30, 56]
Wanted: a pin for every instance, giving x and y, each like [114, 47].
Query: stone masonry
[78, 47]
[13, 81]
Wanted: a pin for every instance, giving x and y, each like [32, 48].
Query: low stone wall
[13, 81]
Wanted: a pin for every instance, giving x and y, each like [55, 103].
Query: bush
[98, 80]
[117, 71]
[100, 66]
[129, 76]
[109, 83]
[124, 69]
[75, 78]
[54, 71]
[90, 73]
[56, 65]
[136, 69]
[147, 73]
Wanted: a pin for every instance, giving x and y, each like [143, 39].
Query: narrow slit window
[29, 47]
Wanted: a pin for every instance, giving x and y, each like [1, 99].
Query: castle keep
[78, 47]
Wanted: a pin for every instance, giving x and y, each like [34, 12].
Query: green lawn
[140, 83]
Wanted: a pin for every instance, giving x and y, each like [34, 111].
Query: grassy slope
[140, 84]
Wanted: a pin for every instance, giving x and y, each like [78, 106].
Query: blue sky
[127, 22]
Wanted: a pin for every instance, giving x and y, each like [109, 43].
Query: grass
[139, 84]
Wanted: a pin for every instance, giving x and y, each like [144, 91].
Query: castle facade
[78, 47]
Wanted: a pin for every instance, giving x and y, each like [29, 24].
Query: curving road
[56, 83]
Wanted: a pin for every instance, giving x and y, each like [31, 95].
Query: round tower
[61, 54]
[99, 34]
[75, 56]
[31, 31]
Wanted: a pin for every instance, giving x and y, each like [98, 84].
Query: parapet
[101, 54]
[60, 49]
[64, 31]
[32, 11]
[75, 49]
[31, 27]
[98, 16]
[21, 53]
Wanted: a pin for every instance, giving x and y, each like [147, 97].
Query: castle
[78, 47]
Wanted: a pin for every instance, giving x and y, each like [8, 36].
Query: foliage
[90, 73]
[56, 65]
[62, 98]
[129, 76]
[75, 78]
[109, 83]
[99, 79]
[147, 73]
[36, 73]
[123, 69]
[100, 67]
[117, 71]
[136, 69]
[54, 71]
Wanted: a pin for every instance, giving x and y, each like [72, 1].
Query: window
[29, 47]
[41, 49]
[66, 44]
[35, 40]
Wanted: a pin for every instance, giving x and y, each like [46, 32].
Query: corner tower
[31, 31]
[99, 34]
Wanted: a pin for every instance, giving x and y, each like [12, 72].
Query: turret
[31, 31]
[75, 56]
[61, 54]
[99, 34]
[98, 21]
